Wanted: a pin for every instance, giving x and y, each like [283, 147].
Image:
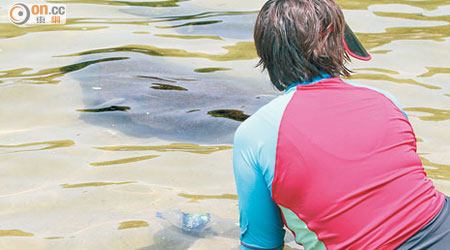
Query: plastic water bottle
[194, 223]
[200, 224]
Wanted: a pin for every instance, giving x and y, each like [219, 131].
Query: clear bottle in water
[201, 224]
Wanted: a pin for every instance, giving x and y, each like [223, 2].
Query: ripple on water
[132, 224]
[186, 37]
[123, 161]
[209, 70]
[95, 184]
[239, 51]
[432, 33]
[9, 30]
[232, 114]
[432, 114]
[153, 4]
[49, 76]
[198, 197]
[437, 170]
[14, 232]
[47, 146]
[161, 86]
[106, 109]
[362, 5]
[174, 147]
[54, 238]
[385, 77]
[434, 71]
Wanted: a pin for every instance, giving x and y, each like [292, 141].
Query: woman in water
[331, 159]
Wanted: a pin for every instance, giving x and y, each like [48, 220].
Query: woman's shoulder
[263, 125]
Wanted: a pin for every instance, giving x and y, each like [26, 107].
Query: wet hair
[298, 40]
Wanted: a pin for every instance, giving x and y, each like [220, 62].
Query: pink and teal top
[336, 163]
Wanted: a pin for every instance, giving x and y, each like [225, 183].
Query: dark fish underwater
[143, 93]
[142, 98]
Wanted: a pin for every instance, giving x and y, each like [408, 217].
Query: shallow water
[129, 109]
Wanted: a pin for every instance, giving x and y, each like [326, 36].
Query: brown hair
[298, 40]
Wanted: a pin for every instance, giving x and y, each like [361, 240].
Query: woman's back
[348, 167]
[345, 172]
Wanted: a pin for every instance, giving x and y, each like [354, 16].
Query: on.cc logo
[19, 14]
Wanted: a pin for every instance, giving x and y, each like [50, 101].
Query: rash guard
[336, 163]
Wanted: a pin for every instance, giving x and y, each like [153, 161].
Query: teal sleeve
[260, 218]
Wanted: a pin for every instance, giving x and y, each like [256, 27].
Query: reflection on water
[414, 16]
[428, 5]
[439, 171]
[380, 51]
[54, 238]
[161, 86]
[236, 115]
[47, 76]
[123, 83]
[189, 24]
[47, 145]
[209, 70]
[95, 184]
[432, 114]
[154, 4]
[435, 70]
[433, 33]
[197, 197]
[384, 77]
[158, 78]
[174, 147]
[9, 30]
[132, 224]
[14, 232]
[388, 71]
[123, 161]
[106, 109]
[239, 51]
[190, 37]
